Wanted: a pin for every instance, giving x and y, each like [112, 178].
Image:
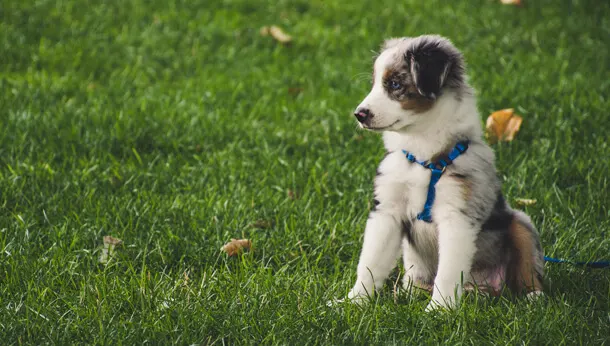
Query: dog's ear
[431, 61]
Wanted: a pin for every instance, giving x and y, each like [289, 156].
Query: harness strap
[437, 168]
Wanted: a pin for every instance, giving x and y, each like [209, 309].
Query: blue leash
[599, 264]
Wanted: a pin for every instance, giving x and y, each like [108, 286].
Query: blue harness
[437, 168]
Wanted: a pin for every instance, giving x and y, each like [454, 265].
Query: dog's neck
[452, 120]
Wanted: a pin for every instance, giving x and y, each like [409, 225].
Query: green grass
[175, 126]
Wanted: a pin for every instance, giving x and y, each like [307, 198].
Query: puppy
[465, 234]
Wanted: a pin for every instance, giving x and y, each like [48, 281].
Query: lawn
[175, 126]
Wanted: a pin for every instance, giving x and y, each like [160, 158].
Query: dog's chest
[401, 186]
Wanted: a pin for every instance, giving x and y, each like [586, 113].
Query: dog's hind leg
[526, 267]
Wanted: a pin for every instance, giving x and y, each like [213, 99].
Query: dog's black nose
[363, 114]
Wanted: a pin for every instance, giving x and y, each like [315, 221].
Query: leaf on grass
[277, 33]
[525, 201]
[503, 125]
[295, 91]
[110, 245]
[263, 224]
[235, 246]
[511, 2]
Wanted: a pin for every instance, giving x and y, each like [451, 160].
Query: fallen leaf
[110, 244]
[294, 91]
[235, 246]
[511, 2]
[503, 125]
[277, 33]
[525, 201]
[262, 224]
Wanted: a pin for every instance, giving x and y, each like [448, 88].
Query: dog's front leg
[457, 238]
[380, 250]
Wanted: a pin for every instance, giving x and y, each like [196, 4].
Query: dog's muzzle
[363, 115]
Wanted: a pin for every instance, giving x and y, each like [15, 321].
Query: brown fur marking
[409, 96]
[465, 184]
[418, 103]
[522, 275]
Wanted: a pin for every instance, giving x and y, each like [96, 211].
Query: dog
[466, 235]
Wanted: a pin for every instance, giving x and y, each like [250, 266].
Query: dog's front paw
[439, 302]
[351, 298]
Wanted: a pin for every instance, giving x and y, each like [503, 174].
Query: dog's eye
[394, 85]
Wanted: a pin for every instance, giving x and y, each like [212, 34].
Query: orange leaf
[503, 125]
[235, 246]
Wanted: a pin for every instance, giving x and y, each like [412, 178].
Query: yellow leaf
[503, 125]
[277, 33]
[525, 201]
[235, 246]
[511, 2]
[110, 244]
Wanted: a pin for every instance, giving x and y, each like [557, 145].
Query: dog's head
[409, 77]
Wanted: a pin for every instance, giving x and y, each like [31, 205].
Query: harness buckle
[437, 168]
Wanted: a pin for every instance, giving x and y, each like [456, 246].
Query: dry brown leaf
[262, 224]
[110, 244]
[295, 91]
[235, 246]
[511, 2]
[277, 33]
[525, 201]
[503, 125]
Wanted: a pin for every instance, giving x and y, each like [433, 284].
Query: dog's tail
[526, 267]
